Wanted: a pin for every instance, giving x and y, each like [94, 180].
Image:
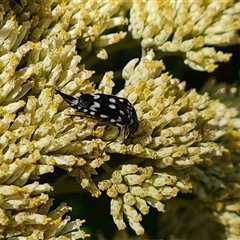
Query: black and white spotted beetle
[105, 108]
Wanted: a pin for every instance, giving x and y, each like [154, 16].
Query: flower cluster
[85, 22]
[180, 130]
[36, 136]
[38, 224]
[177, 127]
[187, 28]
[134, 189]
[186, 142]
[220, 182]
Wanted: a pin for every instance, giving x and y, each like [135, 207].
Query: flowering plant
[187, 142]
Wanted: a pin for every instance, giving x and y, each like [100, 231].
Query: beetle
[105, 108]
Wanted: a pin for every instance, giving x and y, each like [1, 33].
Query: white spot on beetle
[112, 100]
[103, 116]
[95, 96]
[119, 119]
[112, 106]
[112, 120]
[74, 102]
[121, 112]
[96, 105]
[85, 110]
[92, 113]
